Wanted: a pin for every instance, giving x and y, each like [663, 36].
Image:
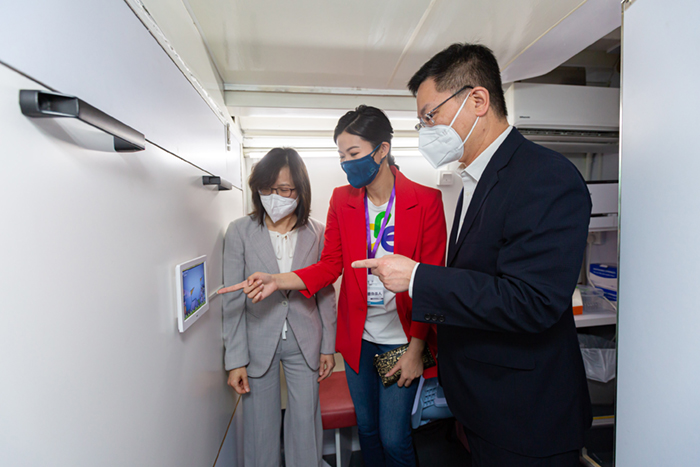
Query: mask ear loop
[460, 108]
[375, 150]
[470, 131]
[473, 126]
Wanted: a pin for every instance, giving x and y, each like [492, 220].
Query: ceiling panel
[365, 43]
[298, 65]
[308, 42]
[311, 120]
[507, 27]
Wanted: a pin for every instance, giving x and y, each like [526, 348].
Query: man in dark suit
[509, 359]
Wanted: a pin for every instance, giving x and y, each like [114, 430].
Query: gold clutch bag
[386, 361]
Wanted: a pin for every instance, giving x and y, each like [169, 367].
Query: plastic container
[604, 277]
[594, 300]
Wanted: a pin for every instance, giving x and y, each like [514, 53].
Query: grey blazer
[252, 331]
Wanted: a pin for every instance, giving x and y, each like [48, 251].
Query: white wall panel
[176, 24]
[658, 409]
[99, 51]
[94, 370]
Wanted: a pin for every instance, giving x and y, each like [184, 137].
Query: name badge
[375, 291]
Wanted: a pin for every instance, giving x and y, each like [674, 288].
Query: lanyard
[372, 252]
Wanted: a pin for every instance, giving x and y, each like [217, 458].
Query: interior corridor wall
[658, 414]
[94, 370]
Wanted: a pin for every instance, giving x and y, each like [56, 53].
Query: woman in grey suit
[278, 236]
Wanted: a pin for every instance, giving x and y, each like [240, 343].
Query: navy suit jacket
[509, 359]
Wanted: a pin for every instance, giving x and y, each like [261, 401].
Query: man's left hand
[393, 270]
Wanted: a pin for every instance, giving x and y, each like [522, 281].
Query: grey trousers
[262, 412]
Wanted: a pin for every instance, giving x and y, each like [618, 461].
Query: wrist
[416, 345]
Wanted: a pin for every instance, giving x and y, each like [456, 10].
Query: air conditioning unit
[566, 118]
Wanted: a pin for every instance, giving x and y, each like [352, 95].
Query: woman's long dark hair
[265, 173]
[370, 124]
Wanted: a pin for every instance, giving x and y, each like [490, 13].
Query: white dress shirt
[471, 175]
[284, 245]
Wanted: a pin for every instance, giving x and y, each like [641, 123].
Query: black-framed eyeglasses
[284, 192]
[427, 119]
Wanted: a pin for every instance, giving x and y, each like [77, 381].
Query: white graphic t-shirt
[383, 325]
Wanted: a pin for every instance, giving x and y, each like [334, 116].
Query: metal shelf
[601, 318]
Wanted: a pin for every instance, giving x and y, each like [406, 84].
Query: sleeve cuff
[413, 276]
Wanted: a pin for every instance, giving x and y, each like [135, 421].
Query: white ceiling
[297, 65]
[376, 44]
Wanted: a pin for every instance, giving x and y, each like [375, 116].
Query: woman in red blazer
[381, 212]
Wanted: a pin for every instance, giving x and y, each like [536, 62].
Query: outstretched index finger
[233, 288]
[366, 263]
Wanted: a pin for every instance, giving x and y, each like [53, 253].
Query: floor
[436, 446]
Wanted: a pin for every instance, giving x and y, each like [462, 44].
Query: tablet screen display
[194, 289]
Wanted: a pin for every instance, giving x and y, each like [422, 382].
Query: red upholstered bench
[337, 411]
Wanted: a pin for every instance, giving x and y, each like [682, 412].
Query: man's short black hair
[462, 65]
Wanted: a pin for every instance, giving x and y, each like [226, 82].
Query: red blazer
[420, 234]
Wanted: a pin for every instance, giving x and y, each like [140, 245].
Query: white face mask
[278, 207]
[441, 144]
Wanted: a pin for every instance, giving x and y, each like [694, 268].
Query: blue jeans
[383, 414]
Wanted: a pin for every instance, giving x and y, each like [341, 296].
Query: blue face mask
[361, 172]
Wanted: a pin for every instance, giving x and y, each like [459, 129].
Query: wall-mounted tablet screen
[192, 291]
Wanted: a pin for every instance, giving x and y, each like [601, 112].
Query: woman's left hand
[410, 363]
[325, 367]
